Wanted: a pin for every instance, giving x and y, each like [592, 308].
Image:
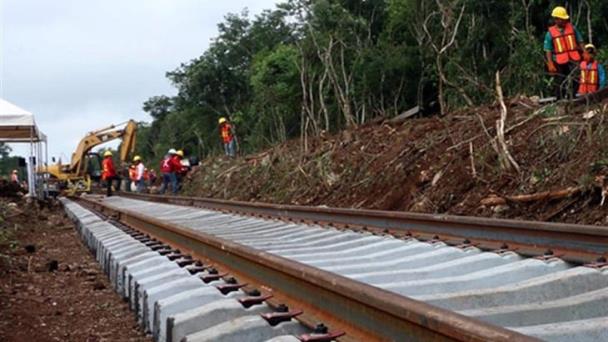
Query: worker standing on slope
[563, 44]
[108, 174]
[227, 135]
[593, 74]
[168, 173]
[140, 179]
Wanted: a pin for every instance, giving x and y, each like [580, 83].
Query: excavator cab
[94, 168]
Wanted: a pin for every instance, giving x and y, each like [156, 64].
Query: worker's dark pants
[141, 185]
[169, 178]
[566, 80]
[109, 184]
[179, 179]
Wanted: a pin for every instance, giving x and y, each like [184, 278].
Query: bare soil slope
[445, 164]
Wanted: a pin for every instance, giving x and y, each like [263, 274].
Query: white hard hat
[172, 151]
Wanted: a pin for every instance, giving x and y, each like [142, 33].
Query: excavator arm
[128, 141]
[104, 135]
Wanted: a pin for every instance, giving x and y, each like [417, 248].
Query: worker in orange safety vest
[593, 74]
[563, 46]
[132, 177]
[108, 173]
[227, 136]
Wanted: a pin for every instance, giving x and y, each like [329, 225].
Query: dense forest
[309, 67]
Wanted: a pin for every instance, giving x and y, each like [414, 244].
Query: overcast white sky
[81, 65]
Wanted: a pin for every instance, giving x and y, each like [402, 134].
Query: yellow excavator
[85, 165]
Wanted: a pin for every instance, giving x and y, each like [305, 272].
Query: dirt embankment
[436, 165]
[51, 288]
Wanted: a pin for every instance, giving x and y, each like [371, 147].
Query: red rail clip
[227, 288]
[321, 337]
[194, 269]
[599, 263]
[549, 255]
[467, 245]
[502, 250]
[184, 262]
[274, 318]
[250, 301]
[207, 278]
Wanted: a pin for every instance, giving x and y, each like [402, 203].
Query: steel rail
[357, 308]
[579, 244]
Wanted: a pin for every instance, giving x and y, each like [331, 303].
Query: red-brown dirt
[75, 302]
[426, 165]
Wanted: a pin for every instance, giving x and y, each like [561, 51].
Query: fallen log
[546, 195]
[494, 200]
[404, 116]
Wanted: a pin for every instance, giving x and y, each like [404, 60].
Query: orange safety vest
[590, 81]
[226, 133]
[133, 173]
[108, 169]
[565, 47]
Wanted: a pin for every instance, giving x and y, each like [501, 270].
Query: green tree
[274, 79]
[311, 66]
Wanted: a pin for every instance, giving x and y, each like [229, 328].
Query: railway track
[378, 275]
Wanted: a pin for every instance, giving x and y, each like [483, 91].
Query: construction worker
[15, 177]
[140, 179]
[167, 169]
[593, 74]
[563, 45]
[108, 174]
[181, 169]
[151, 176]
[132, 177]
[227, 135]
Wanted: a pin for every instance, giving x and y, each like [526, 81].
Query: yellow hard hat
[590, 47]
[180, 153]
[107, 153]
[222, 120]
[560, 12]
[136, 158]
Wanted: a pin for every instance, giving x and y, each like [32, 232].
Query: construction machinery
[85, 166]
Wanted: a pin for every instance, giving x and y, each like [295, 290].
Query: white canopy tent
[17, 125]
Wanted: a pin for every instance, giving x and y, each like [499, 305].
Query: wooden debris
[493, 200]
[546, 195]
[506, 159]
[405, 115]
[437, 177]
[471, 155]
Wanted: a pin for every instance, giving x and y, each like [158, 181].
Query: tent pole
[46, 167]
[30, 176]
